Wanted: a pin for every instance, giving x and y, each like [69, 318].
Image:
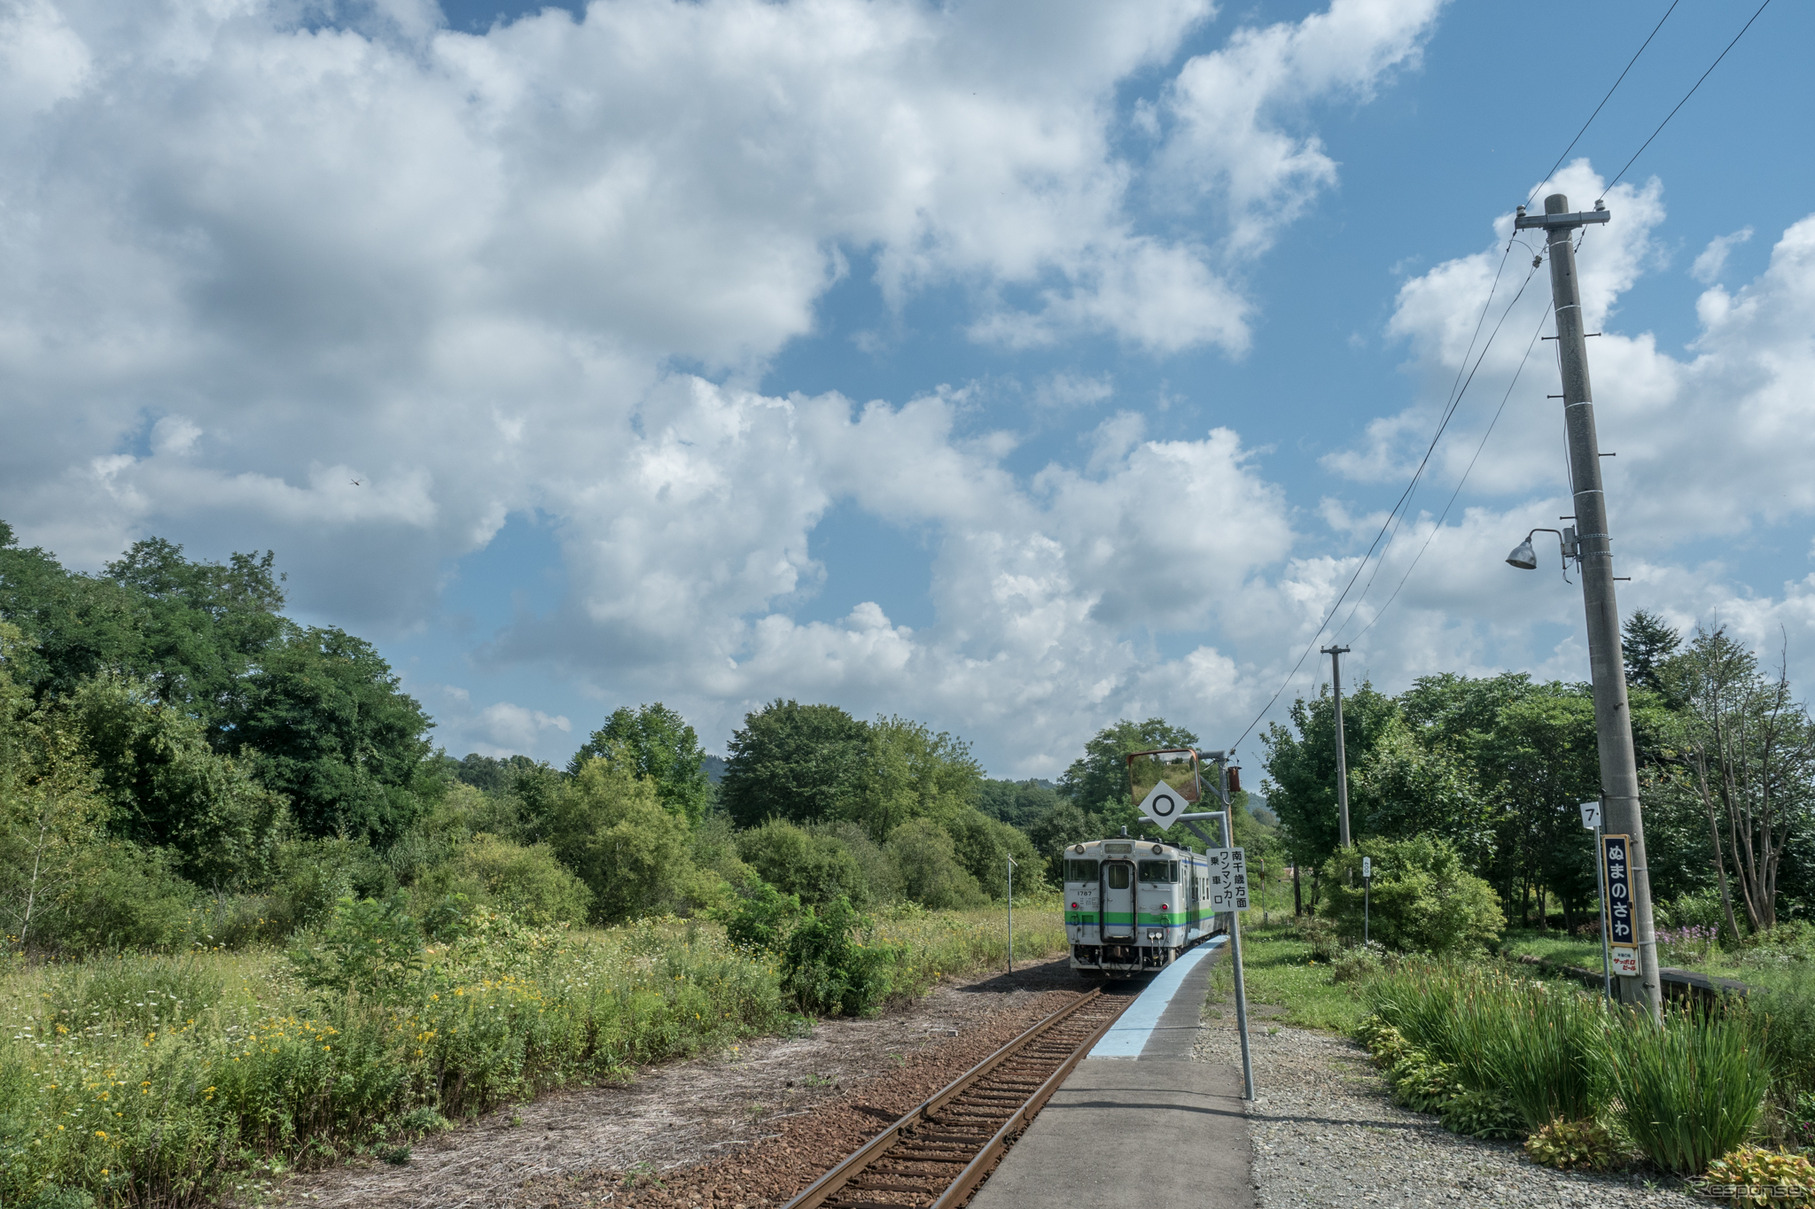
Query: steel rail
[878, 1147]
[979, 1168]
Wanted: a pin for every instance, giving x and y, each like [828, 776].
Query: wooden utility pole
[1594, 553]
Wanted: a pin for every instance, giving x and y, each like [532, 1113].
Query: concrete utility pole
[1594, 553]
[1342, 752]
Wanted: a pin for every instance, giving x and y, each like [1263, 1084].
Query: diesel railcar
[1133, 905]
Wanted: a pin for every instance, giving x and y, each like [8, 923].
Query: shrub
[314, 874]
[1698, 909]
[1752, 1175]
[1572, 1146]
[982, 846]
[761, 917]
[1384, 1043]
[930, 872]
[1356, 965]
[1422, 900]
[1690, 1091]
[526, 883]
[1321, 934]
[814, 866]
[1422, 1083]
[1481, 1113]
[881, 879]
[1791, 941]
[607, 825]
[1799, 1121]
[370, 948]
[829, 969]
[1783, 1019]
[124, 897]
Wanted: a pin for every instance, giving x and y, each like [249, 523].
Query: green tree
[1750, 748]
[1540, 761]
[168, 788]
[71, 626]
[609, 827]
[201, 625]
[659, 745]
[984, 847]
[50, 816]
[1404, 789]
[802, 763]
[1301, 767]
[327, 723]
[911, 772]
[1018, 803]
[930, 872]
[493, 774]
[1649, 643]
[1098, 780]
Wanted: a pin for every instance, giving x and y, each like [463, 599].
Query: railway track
[933, 1157]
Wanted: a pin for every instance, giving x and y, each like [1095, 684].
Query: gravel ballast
[1324, 1133]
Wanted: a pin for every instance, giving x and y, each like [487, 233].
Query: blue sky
[1015, 367]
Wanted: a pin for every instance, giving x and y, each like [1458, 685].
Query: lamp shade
[1524, 557]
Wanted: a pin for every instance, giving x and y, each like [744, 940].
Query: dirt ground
[689, 1132]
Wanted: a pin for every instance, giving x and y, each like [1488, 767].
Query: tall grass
[1687, 1093]
[168, 1079]
[1539, 1044]
[1692, 1090]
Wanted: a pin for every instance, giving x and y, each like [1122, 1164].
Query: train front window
[1118, 876]
[1159, 871]
[1080, 871]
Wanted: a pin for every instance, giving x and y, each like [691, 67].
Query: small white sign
[1625, 961]
[1163, 804]
[1591, 815]
[1228, 879]
[1367, 866]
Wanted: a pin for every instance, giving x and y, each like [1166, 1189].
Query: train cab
[1133, 905]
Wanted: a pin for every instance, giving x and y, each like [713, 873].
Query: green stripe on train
[1172, 919]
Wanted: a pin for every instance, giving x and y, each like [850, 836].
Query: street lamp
[1526, 559]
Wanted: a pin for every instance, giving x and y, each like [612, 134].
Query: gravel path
[1325, 1134]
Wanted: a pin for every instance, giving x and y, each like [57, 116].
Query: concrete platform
[1148, 1127]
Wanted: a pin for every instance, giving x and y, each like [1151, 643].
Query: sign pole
[1600, 868]
[1011, 914]
[1591, 819]
[1367, 889]
[1241, 1004]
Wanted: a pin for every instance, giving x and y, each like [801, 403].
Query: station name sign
[1622, 936]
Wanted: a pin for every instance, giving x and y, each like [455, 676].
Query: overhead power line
[1492, 336]
[1603, 104]
[1686, 96]
[1438, 527]
[1442, 424]
[1390, 526]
